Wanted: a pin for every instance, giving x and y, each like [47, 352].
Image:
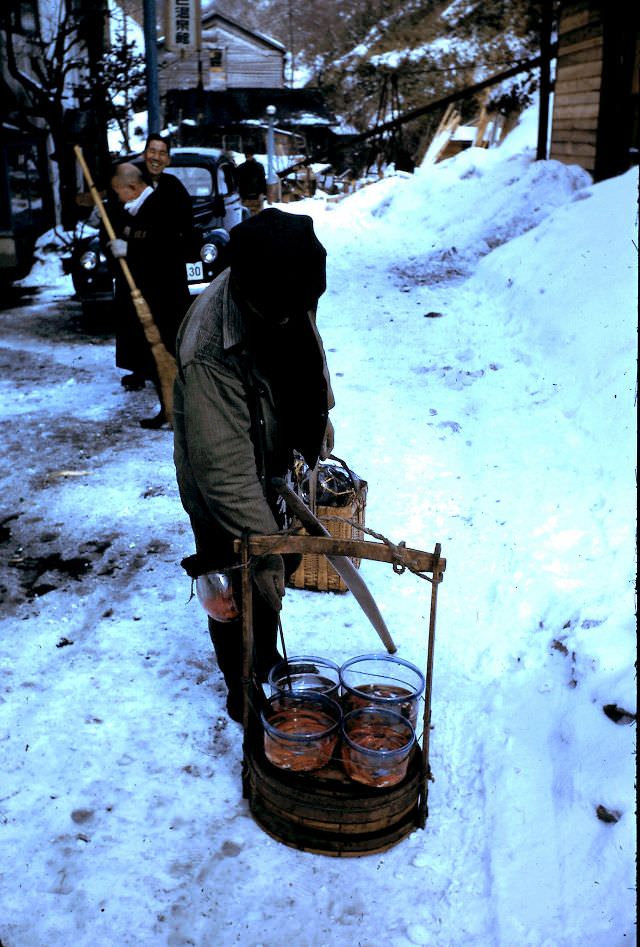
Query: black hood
[277, 262]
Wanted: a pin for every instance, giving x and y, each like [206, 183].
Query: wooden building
[229, 56]
[595, 108]
[217, 92]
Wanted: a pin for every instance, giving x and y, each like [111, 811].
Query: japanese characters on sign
[182, 24]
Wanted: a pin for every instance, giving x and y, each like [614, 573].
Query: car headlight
[208, 253]
[89, 260]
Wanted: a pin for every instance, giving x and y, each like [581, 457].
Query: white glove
[118, 248]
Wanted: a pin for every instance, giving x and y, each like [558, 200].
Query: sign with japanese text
[182, 24]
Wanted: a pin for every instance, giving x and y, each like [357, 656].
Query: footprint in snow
[461, 379]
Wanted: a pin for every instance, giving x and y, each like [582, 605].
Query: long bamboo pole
[165, 362]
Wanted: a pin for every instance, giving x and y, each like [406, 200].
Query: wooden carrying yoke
[359, 820]
[165, 362]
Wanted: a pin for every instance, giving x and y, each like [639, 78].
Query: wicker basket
[315, 572]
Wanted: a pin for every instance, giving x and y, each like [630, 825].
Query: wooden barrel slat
[338, 815]
[316, 787]
[349, 807]
[327, 843]
[335, 822]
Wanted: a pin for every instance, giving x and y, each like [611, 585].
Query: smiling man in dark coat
[252, 386]
[156, 158]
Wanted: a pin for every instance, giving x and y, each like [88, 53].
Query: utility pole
[151, 54]
[291, 40]
[546, 26]
[93, 31]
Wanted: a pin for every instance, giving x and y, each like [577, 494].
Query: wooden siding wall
[246, 64]
[178, 70]
[576, 103]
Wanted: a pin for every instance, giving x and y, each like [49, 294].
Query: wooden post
[426, 731]
[247, 632]
[483, 121]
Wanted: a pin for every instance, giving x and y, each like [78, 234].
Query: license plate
[195, 272]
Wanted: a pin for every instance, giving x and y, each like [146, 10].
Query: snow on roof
[308, 118]
[209, 18]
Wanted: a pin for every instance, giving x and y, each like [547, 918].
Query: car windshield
[198, 181]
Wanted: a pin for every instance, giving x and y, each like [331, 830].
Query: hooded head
[278, 264]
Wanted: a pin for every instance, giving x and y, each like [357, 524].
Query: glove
[118, 248]
[327, 441]
[268, 575]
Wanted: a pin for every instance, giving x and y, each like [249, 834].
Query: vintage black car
[209, 176]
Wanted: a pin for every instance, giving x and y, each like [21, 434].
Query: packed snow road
[504, 429]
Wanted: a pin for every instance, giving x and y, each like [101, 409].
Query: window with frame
[24, 17]
[216, 60]
[198, 181]
[25, 182]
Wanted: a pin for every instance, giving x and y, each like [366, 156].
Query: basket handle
[313, 480]
[348, 472]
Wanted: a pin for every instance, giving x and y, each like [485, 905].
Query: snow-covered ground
[480, 329]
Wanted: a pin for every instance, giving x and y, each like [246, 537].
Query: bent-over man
[252, 386]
